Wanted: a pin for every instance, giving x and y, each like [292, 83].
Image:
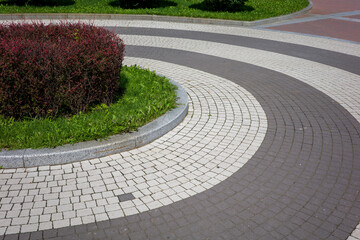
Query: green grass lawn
[146, 97]
[253, 10]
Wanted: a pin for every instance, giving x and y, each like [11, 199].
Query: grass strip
[253, 9]
[147, 96]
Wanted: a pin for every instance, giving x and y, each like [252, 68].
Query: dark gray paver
[335, 59]
[302, 183]
[125, 197]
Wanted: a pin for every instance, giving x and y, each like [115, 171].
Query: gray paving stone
[308, 190]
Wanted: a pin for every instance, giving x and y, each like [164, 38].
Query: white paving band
[322, 77]
[224, 128]
[321, 43]
[30, 197]
[340, 85]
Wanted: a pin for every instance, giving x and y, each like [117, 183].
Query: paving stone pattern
[322, 77]
[269, 150]
[346, 62]
[253, 34]
[224, 128]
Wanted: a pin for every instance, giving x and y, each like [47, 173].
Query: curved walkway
[270, 148]
[328, 18]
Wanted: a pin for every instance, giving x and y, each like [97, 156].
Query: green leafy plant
[146, 96]
[63, 84]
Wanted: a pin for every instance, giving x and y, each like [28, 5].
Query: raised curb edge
[95, 149]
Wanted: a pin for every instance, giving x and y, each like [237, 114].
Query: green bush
[135, 3]
[146, 97]
[225, 5]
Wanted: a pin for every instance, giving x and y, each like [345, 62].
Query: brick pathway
[269, 150]
[328, 18]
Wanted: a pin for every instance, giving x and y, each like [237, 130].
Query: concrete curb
[36, 16]
[95, 149]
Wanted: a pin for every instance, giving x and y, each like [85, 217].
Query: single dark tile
[50, 233]
[321, 233]
[103, 224]
[24, 236]
[80, 229]
[66, 231]
[12, 237]
[126, 197]
[91, 227]
[341, 234]
[36, 235]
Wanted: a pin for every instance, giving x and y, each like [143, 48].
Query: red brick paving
[334, 6]
[354, 16]
[342, 29]
[328, 27]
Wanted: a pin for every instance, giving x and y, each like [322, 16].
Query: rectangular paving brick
[126, 197]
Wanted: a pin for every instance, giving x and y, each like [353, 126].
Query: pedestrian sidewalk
[328, 18]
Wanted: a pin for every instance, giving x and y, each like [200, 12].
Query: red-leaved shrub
[57, 69]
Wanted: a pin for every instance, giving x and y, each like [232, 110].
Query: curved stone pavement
[225, 128]
[301, 175]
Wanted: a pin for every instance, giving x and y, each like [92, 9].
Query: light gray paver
[201, 106]
[163, 170]
[45, 225]
[321, 43]
[12, 229]
[61, 223]
[75, 221]
[320, 76]
[29, 227]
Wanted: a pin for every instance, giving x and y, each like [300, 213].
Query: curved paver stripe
[224, 128]
[320, 76]
[303, 181]
[335, 59]
[280, 37]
